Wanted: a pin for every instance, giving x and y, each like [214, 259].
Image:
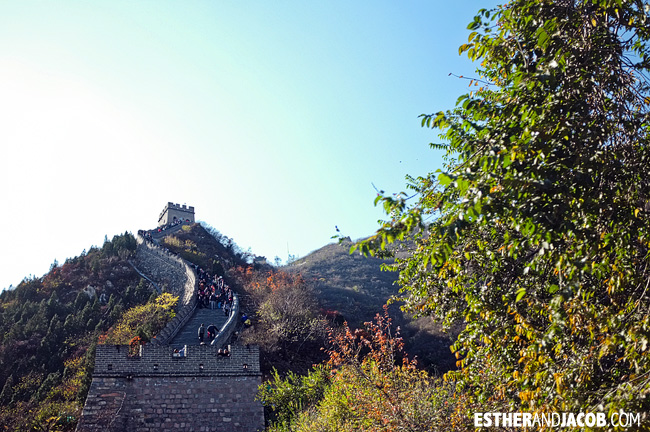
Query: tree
[541, 217]
[7, 390]
[368, 384]
[287, 326]
[142, 321]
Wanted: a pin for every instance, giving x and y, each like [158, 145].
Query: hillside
[351, 284]
[205, 246]
[49, 327]
[355, 287]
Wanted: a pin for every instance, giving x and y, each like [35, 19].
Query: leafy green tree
[287, 397]
[540, 222]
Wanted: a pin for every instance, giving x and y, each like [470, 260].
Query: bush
[368, 384]
[144, 321]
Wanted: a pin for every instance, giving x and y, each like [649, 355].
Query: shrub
[144, 321]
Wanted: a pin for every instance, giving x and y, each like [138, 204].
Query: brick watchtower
[173, 212]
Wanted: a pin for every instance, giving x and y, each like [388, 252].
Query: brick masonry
[159, 360]
[167, 269]
[175, 275]
[157, 391]
[173, 212]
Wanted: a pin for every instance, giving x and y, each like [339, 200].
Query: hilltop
[355, 288]
[351, 284]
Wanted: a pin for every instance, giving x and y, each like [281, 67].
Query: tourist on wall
[212, 332]
[201, 333]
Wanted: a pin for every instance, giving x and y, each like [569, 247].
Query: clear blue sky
[272, 119]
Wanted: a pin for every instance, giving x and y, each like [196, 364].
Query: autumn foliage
[271, 280]
[286, 322]
[367, 384]
[141, 322]
[48, 329]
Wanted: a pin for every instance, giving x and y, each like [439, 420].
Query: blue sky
[272, 119]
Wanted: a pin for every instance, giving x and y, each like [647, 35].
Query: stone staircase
[158, 264]
[161, 390]
[188, 335]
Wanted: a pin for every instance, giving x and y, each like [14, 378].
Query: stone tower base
[159, 390]
[174, 403]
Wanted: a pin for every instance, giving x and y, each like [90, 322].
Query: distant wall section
[174, 275]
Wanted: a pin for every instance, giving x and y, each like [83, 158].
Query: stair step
[188, 335]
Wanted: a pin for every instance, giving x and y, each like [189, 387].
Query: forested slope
[49, 327]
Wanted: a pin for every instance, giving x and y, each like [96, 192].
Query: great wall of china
[157, 389]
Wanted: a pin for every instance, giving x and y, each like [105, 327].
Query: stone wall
[226, 331]
[174, 275]
[169, 271]
[159, 360]
[158, 392]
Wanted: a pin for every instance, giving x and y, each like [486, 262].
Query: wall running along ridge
[172, 272]
[157, 390]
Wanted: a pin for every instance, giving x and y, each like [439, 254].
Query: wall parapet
[229, 327]
[163, 361]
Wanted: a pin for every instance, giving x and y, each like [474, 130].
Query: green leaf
[542, 38]
[444, 179]
[520, 294]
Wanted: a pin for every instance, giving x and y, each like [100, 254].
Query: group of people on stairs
[212, 329]
[212, 291]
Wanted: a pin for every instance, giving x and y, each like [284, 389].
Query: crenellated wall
[161, 360]
[173, 212]
[160, 390]
[202, 391]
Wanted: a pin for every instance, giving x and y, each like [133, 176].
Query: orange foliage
[134, 346]
[270, 281]
[376, 343]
